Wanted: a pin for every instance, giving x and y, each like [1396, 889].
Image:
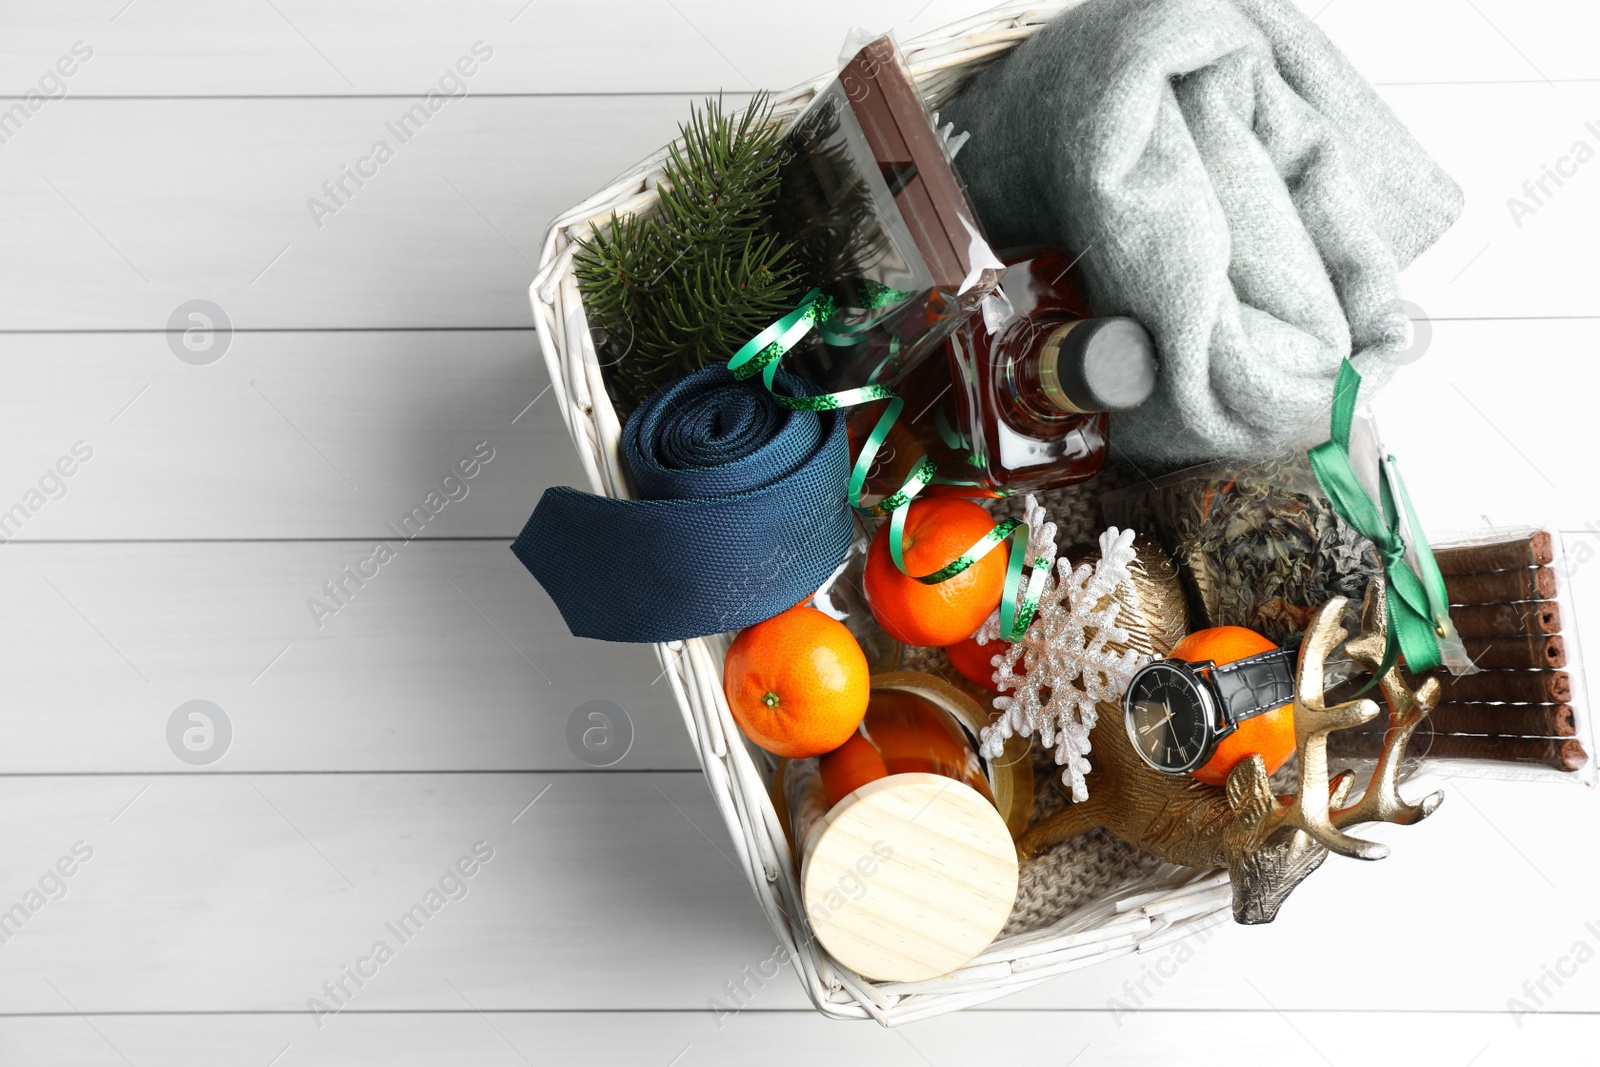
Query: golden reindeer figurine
[1268, 844]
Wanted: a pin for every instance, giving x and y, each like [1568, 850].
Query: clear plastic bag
[878, 221]
[1525, 715]
[1258, 545]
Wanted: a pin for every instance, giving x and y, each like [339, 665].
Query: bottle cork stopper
[1104, 365]
[909, 878]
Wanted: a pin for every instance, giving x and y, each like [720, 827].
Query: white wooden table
[374, 343]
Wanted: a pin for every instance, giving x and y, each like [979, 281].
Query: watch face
[1168, 718]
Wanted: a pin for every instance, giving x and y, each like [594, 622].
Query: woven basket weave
[1162, 906]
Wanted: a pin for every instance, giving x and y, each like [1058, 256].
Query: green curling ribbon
[875, 296]
[1418, 606]
[760, 355]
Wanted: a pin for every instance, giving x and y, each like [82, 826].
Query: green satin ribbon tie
[761, 354]
[1418, 605]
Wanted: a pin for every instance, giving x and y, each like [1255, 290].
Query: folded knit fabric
[741, 514]
[1231, 182]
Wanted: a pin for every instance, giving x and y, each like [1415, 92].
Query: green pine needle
[688, 284]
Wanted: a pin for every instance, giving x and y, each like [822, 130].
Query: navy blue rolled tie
[740, 514]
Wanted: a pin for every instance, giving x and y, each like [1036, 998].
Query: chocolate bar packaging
[878, 222]
[1524, 713]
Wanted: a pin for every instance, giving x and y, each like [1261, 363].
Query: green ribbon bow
[760, 355]
[1418, 606]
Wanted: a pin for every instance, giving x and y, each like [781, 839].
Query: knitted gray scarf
[1231, 182]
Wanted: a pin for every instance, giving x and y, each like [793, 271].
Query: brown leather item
[1545, 652]
[1530, 617]
[1505, 720]
[1500, 587]
[1510, 687]
[1532, 551]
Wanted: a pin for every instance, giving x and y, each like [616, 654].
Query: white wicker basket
[1170, 904]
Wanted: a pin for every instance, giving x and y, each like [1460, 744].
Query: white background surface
[375, 351]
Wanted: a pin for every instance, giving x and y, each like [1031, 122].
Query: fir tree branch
[688, 283]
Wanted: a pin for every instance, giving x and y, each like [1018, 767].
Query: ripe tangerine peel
[973, 661]
[849, 767]
[902, 733]
[797, 683]
[1271, 734]
[936, 531]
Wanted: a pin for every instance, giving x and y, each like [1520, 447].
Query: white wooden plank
[451, 657]
[445, 233]
[628, 1039]
[1470, 904]
[148, 204]
[203, 453]
[1443, 41]
[1500, 259]
[321, 434]
[248, 893]
[1493, 425]
[194, 48]
[243, 893]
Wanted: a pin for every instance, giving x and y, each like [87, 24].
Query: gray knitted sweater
[1231, 182]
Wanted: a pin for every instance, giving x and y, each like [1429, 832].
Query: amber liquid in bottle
[1013, 410]
[902, 733]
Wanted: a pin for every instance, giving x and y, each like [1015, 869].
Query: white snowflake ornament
[1069, 668]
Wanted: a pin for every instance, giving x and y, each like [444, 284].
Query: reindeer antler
[1381, 802]
[1313, 808]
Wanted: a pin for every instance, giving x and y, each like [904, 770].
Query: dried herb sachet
[1258, 545]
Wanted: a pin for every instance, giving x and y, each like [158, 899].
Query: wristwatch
[1177, 712]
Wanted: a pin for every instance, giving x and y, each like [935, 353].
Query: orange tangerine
[796, 683]
[936, 531]
[972, 660]
[1270, 734]
[849, 767]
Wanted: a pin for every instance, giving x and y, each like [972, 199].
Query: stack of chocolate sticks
[1518, 708]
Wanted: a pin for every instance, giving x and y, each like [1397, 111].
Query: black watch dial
[1168, 718]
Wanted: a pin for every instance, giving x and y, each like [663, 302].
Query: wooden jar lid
[910, 877]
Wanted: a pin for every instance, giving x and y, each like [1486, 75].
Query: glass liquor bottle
[1021, 404]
